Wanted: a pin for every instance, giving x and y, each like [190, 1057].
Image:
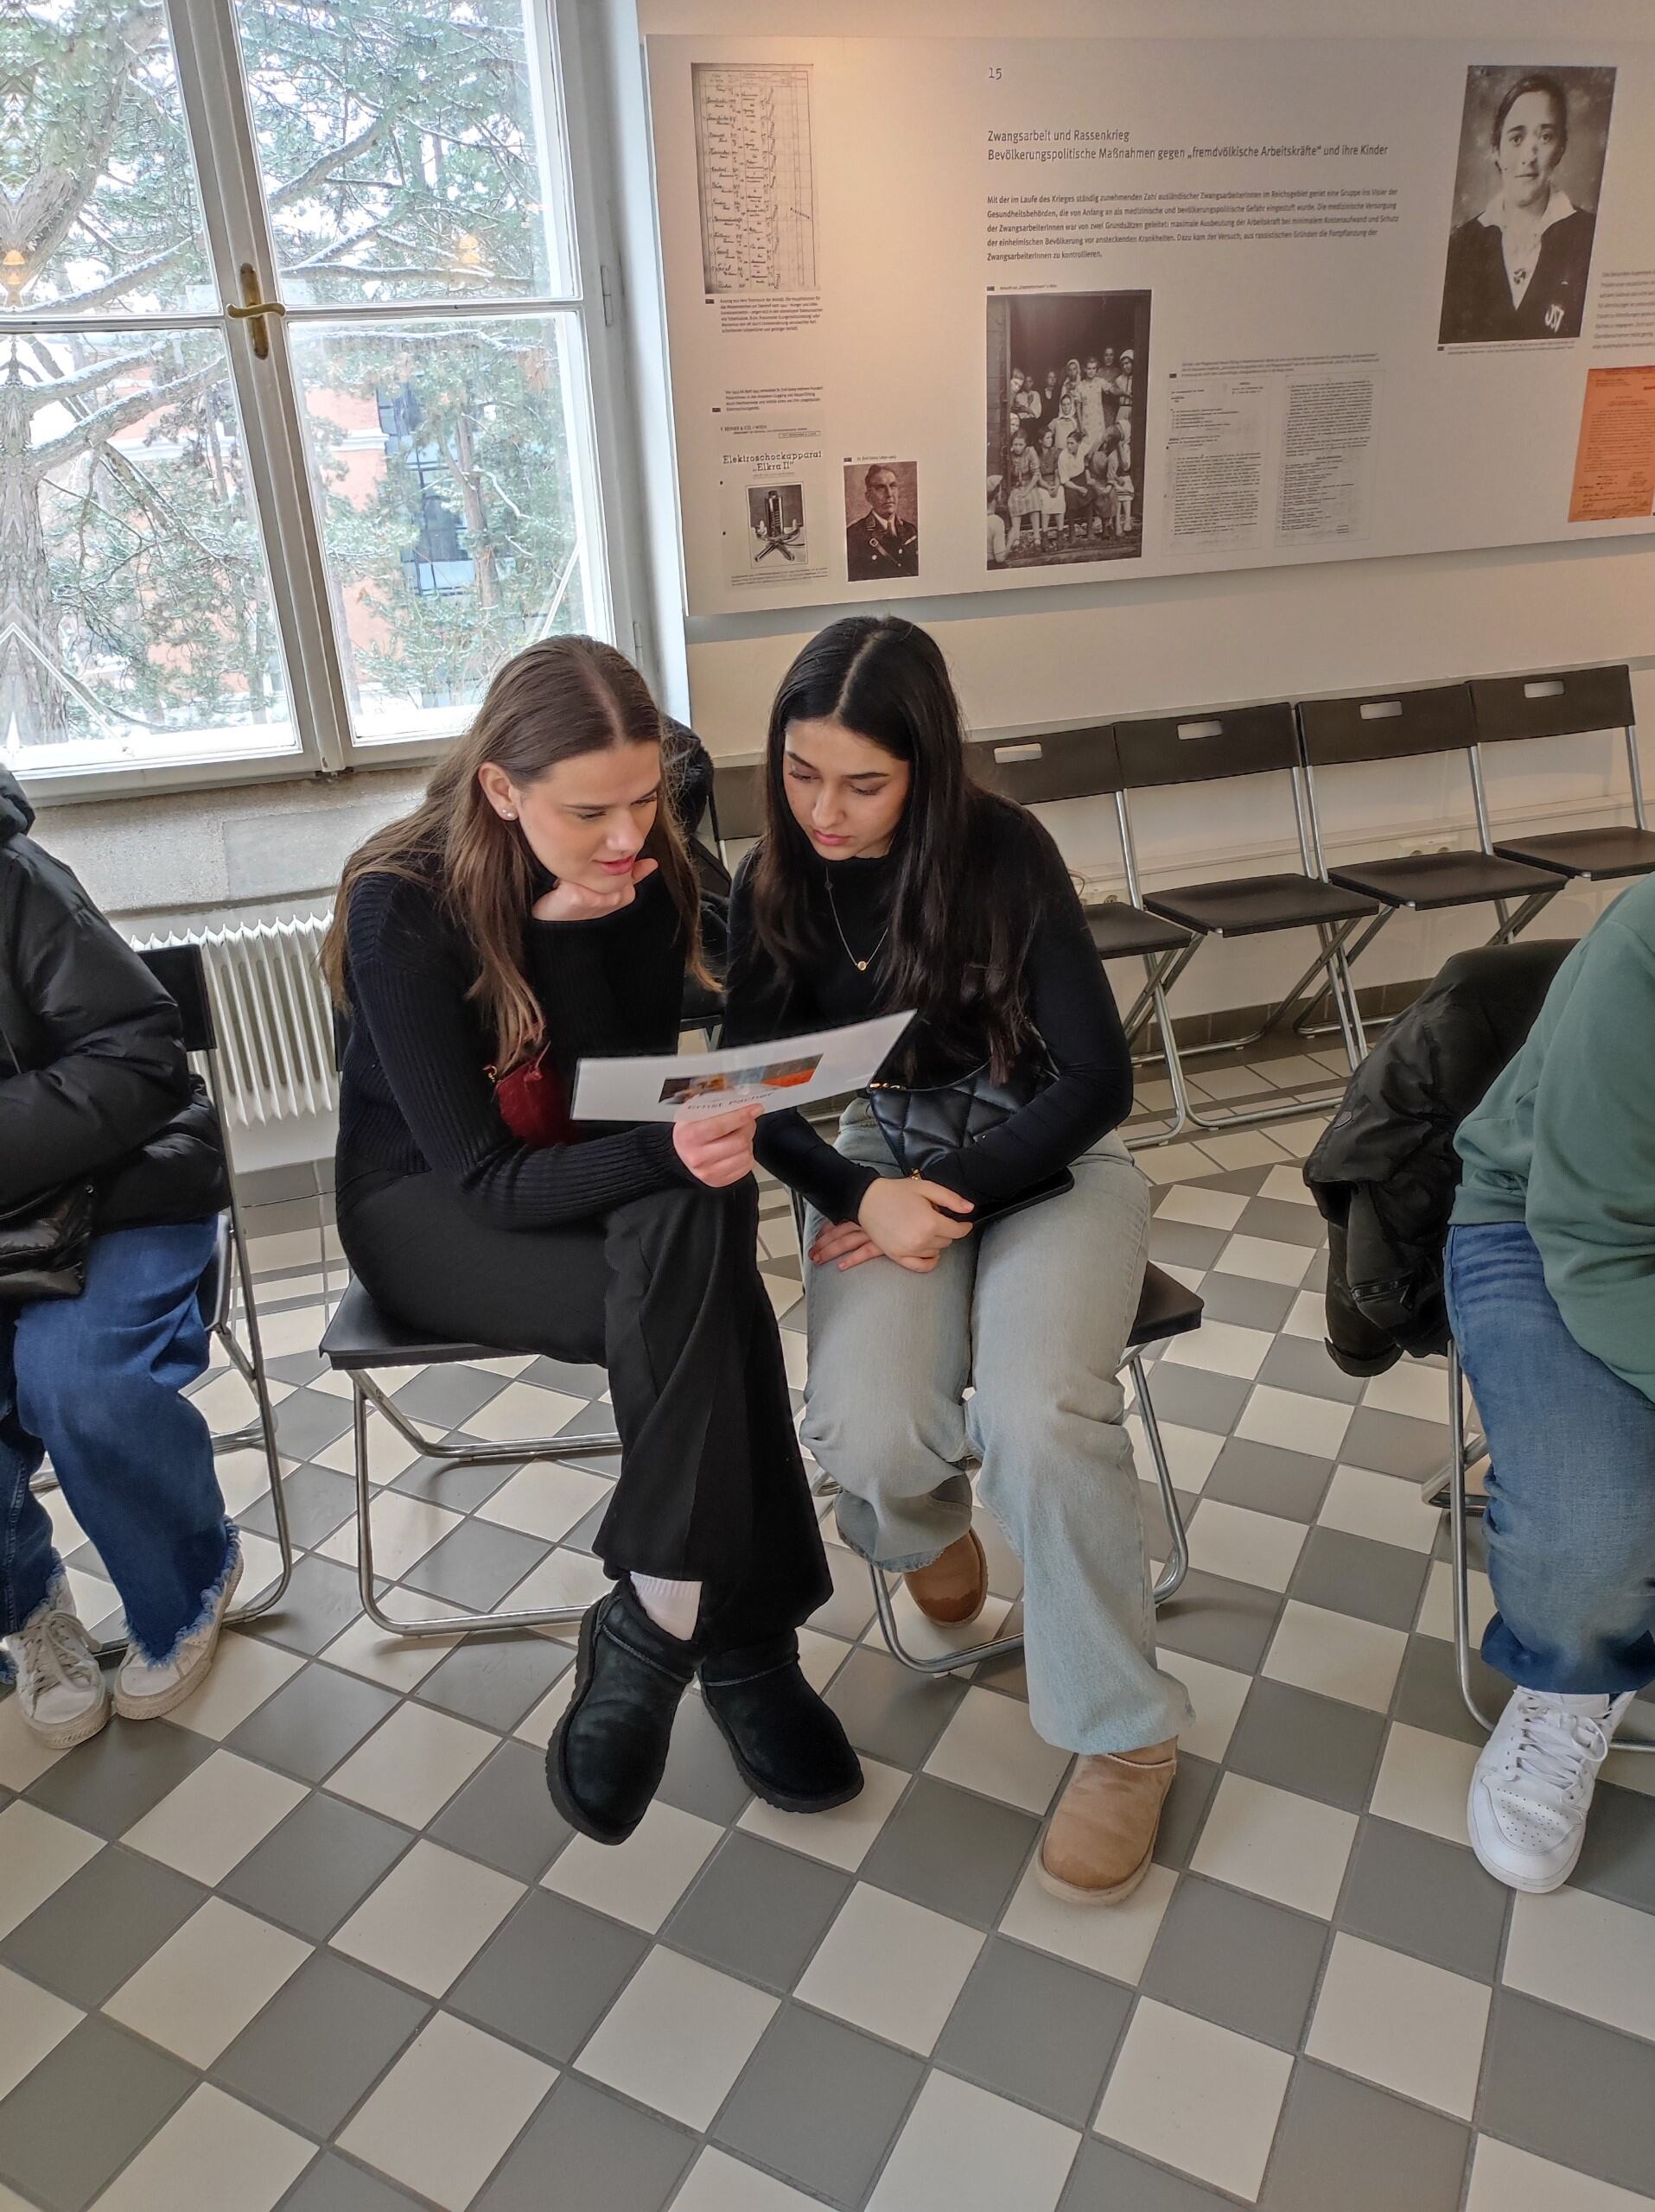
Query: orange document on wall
[1614, 462]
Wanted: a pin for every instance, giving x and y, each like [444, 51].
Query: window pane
[447, 464]
[139, 624]
[406, 150]
[97, 186]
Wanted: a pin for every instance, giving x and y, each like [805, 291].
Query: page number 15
[994, 76]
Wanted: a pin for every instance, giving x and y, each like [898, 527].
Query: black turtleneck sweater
[414, 1095]
[1068, 998]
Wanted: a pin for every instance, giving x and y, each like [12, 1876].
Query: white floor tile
[1243, 1545]
[537, 1725]
[1262, 1259]
[245, 1671]
[890, 1967]
[23, 1757]
[1587, 1954]
[642, 1881]
[1241, 1148]
[1201, 1208]
[820, 1657]
[523, 1413]
[1173, 1163]
[409, 1768]
[404, 1529]
[1410, 1388]
[563, 1578]
[1409, 2026]
[253, 2161]
[32, 2023]
[388, 1453]
[678, 2036]
[964, 2150]
[94, 1598]
[396, 1663]
[1222, 1348]
[1295, 1422]
[546, 1499]
[1436, 1608]
[1277, 1844]
[1504, 2179]
[448, 2111]
[227, 1401]
[1308, 1316]
[215, 1816]
[1335, 1655]
[295, 1329]
[38, 1854]
[1218, 1694]
[1381, 1507]
[1423, 1782]
[1116, 1942]
[261, 1566]
[429, 1918]
[1300, 1138]
[989, 1746]
[1196, 2097]
[841, 1838]
[719, 2183]
[198, 1992]
[929, 1639]
[1191, 1452]
[244, 1479]
[1286, 1183]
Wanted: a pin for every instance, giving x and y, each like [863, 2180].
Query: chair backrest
[1057, 765]
[738, 803]
[181, 970]
[1387, 725]
[1565, 702]
[1165, 749]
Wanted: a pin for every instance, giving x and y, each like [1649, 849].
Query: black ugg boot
[787, 1744]
[607, 1754]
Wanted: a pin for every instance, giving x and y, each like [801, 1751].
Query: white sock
[673, 1606]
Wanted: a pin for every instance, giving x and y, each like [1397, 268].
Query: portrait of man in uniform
[882, 538]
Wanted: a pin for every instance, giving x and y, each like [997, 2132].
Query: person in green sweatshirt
[1550, 1280]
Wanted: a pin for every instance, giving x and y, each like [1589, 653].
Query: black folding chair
[1568, 703]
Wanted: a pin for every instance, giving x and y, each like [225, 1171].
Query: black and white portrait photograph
[1067, 371]
[1532, 143]
[882, 515]
[776, 515]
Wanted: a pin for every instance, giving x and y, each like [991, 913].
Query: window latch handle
[254, 310]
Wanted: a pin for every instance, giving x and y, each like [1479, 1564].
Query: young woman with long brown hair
[537, 909]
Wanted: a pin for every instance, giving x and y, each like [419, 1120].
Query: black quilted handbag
[926, 1125]
[43, 1246]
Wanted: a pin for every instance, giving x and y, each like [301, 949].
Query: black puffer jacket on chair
[1385, 1171]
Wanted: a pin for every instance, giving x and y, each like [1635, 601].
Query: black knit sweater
[414, 1093]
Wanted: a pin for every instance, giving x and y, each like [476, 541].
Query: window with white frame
[296, 376]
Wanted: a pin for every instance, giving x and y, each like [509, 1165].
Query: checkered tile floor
[320, 1942]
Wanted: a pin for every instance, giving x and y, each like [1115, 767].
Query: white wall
[1087, 652]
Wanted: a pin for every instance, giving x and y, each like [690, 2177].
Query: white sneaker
[145, 1688]
[1533, 1785]
[61, 1691]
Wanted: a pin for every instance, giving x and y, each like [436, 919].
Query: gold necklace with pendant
[861, 966]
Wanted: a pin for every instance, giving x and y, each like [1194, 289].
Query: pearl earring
[511, 814]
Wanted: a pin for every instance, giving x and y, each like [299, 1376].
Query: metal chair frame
[1565, 721]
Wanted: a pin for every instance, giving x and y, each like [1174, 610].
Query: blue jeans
[1571, 1491]
[98, 1382]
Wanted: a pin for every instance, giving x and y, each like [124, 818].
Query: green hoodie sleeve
[1591, 1195]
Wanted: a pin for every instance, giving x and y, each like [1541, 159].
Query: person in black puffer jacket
[95, 1088]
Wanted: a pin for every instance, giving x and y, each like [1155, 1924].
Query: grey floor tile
[1290, 1484]
[701, 1775]
[1570, 2090]
[310, 1422]
[321, 2044]
[1299, 1364]
[1036, 2030]
[1198, 1399]
[493, 1680]
[1211, 1617]
[99, 1928]
[81, 2115]
[334, 2185]
[1343, 2143]
[445, 1397]
[1414, 1892]
[321, 1602]
[113, 1781]
[1316, 1746]
[953, 1851]
[1185, 1244]
[1250, 1304]
[317, 1866]
[476, 1564]
[889, 1713]
[568, 1375]
[1393, 1444]
[297, 1367]
[1283, 1221]
[548, 1975]
[312, 1721]
[503, 1817]
[1427, 1690]
[633, 2159]
[462, 1489]
[1108, 2179]
[819, 2103]
[1247, 1964]
[1354, 1575]
[318, 1500]
[757, 1911]
[1619, 1859]
[1185, 1810]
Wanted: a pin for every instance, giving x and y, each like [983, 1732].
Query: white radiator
[275, 1024]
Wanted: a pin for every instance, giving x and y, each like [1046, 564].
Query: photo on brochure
[1067, 374]
[775, 515]
[1532, 143]
[881, 515]
[771, 1075]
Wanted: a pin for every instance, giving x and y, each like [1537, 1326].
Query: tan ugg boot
[1099, 1840]
[954, 1588]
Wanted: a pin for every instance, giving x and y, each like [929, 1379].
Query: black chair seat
[1597, 855]
[1119, 930]
[361, 1336]
[1429, 880]
[1166, 1309]
[1251, 904]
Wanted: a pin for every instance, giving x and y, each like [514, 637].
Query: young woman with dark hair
[886, 880]
[537, 909]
